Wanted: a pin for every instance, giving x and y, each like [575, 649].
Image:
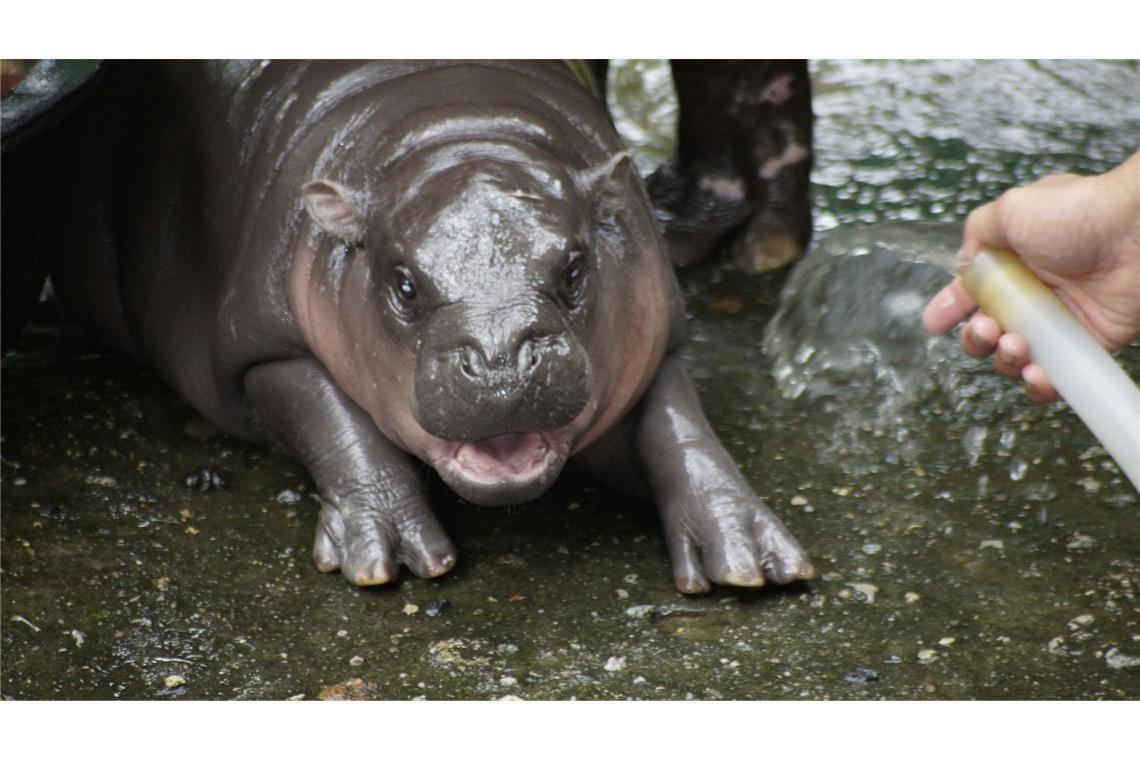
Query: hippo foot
[710, 212]
[368, 544]
[743, 545]
[760, 248]
[699, 214]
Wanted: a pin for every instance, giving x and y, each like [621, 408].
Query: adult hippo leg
[715, 526]
[740, 176]
[374, 511]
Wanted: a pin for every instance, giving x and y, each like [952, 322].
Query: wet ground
[969, 544]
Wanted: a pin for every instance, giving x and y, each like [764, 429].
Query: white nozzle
[1094, 385]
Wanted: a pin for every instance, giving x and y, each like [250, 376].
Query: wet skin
[366, 265]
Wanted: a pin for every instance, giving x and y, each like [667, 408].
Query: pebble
[992, 543]
[1080, 621]
[411, 609]
[615, 664]
[436, 607]
[947, 641]
[1080, 541]
[872, 548]
[173, 682]
[356, 661]
[288, 496]
[911, 597]
[1116, 659]
[798, 501]
[640, 610]
[508, 681]
[927, 656]
[862, 675]
[206, 479]
[868, 590]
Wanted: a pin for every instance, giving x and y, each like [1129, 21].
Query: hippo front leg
[374, 511]
[715, 526]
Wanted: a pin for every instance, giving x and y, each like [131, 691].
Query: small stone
[911, 597]
[436, 607]
[508, 681]
[621, 593]
[356, 661]
[1116, 659]
[927, 656]
[288, 496]
[103, 481]
[871, 549]
[411, 609]
[862, 675]
[992, 543]
[1080, 542]
[1080, 621]
[947, 641]
[206, 479]
[1056, 645]
[798, 501]
[868, 590]
[295, 698]
[173, 682]
[353, 688]
[342, 633]
[615, 664]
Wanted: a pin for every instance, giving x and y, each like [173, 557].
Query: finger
[1037, 385]
[983, 227]
[980, 335]
[1011, 356]
[947, 308]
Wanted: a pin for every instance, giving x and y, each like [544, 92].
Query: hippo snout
[471, 392]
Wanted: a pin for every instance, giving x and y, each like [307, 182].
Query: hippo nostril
[469, 364]
[529, 357]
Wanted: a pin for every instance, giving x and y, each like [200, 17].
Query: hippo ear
[331, 207]
[607, 183]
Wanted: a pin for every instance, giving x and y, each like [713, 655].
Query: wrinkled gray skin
[366, 264]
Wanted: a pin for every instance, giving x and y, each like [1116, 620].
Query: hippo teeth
[506, 456]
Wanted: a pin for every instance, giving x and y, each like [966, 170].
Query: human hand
[1081, 236]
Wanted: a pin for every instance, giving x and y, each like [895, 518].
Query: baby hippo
[369, 264]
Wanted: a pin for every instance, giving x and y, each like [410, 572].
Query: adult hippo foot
[734, 544]
[368, 543]
[740, 177]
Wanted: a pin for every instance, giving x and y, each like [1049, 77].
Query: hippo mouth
[505, 458]
[504, 469]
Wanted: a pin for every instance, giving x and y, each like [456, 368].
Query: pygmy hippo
[366, 264]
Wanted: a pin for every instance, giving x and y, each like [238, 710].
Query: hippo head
[476, 328]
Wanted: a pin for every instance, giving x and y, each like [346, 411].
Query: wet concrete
[969, 544]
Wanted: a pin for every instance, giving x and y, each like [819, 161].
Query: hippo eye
[574, 277]
[404, 285]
